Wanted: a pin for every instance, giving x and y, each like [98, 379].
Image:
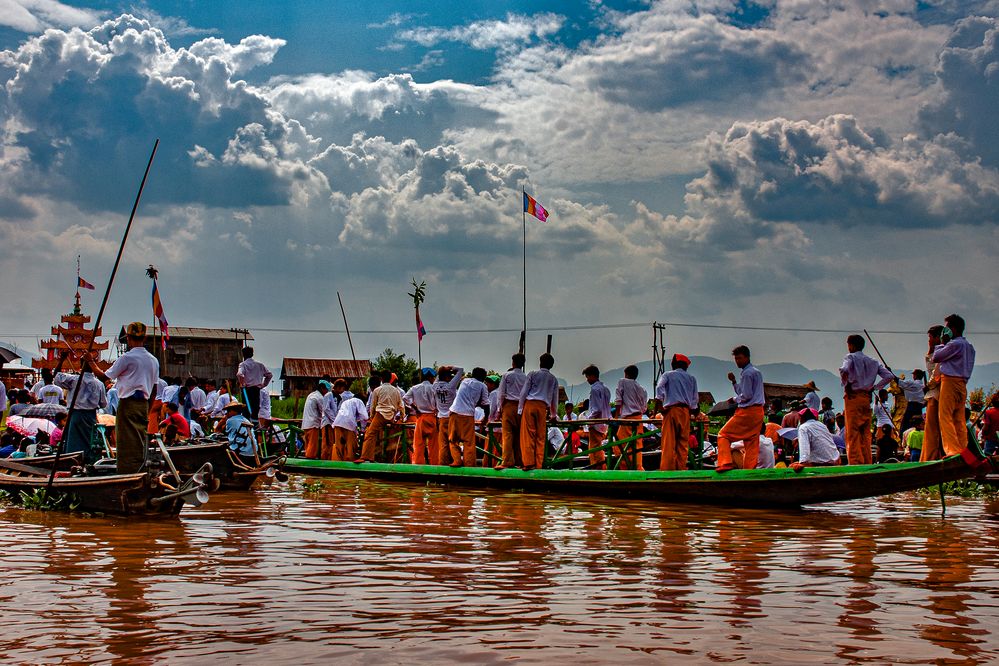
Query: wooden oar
[97, 322]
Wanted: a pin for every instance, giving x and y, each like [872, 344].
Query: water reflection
[368, 571]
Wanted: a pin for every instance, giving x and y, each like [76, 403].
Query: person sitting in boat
[815, 443]
[174, 427]
[886, 444]
[8, 444]
[22, 400]
[239, 431]
[766, 459]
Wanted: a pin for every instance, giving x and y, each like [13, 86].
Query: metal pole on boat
[97, 321]
[347, 328]
[523, 333]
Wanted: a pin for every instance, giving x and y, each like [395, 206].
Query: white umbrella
[28, 426]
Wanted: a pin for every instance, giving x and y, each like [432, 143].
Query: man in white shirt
[815, 443]
[48, 391]
[632, 400]
[253, 377]
[538, 402]
[136, 372]
[92, 396]
[421, 400]
[472, 393]
[350, 415]
[765, 458]
[599, 409]
[676, 400]
[508, 398]
[312, 419]
[386, 405]
[446, 388]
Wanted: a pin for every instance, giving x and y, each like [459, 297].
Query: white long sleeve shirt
[631, 398]
[511, 384]
[677, 387]
[352, 412]
[541, 385]
[92, 395]
[331, 405]
[599, 401]
[815, 443]
[312, 416]
[421, 398]
[446, 392]
[136, 372]
[471, 394]
[253, 373]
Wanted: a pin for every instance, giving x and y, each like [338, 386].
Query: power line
[642, 324]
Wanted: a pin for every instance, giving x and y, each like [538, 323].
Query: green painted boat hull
[746, 488]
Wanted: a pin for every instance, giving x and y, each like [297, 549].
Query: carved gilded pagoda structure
[72, 334]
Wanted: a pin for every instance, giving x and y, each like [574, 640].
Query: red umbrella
[29, 427]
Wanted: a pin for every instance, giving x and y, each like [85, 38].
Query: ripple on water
[367, 570]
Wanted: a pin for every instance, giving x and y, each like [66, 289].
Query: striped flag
[532, 207]
[83, 284]
[158, 311]
[421, 330]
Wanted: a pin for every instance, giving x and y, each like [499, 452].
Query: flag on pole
[421, 330]
[83, 284]
[532, 207]
[158, 311]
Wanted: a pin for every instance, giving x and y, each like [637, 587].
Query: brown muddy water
[369, 572]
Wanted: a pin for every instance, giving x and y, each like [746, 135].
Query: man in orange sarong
[312, 419]
[747, 422]
[956, 361]
[932, 448]
[632, 400]
[676, 399]
[510, 386]
[599, 410]
[858, 375]
[422, 402]
[386, 405]
[538, 402]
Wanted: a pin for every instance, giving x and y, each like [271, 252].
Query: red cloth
[183, 427]
[990, 424]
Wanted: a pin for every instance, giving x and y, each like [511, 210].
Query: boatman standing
[508, 398]
[538, 402]
[858, 374]
[632, 400]
[422, 401]
[957, 360]
[676, 399]
[253, 377]
[137, 373]
[932, 450]
[312, 420]
[747, 422]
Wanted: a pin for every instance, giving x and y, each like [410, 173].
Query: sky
[787, 164]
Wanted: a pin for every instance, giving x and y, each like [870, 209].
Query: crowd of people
[453, 415]
[885, 417]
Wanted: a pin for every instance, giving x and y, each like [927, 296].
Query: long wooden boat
[139, 494]
[744, 488]
[231, 472]
[67, 461]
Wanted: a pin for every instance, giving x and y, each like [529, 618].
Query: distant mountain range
[711, 376]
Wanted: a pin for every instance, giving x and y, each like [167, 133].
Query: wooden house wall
[205, 359]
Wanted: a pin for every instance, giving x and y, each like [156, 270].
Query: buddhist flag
[83, 284]
[160, 316]
[421, 330]
[532, 207]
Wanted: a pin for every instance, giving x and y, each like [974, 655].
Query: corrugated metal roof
[194, 333]
[317, 367]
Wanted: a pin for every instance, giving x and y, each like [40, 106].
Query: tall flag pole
[158, 312]
[419, 294]
[536, 210]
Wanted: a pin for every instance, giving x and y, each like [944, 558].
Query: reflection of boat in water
[142, 493]
[754, 487]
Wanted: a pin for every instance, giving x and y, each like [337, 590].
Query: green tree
[400, 364]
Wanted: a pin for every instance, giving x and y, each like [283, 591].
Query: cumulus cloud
[968, 72]
[37, 15]
[506, 34]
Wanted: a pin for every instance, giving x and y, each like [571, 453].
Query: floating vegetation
[968, 488]
[39, 500]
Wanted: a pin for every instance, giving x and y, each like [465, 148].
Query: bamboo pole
[97, 322]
